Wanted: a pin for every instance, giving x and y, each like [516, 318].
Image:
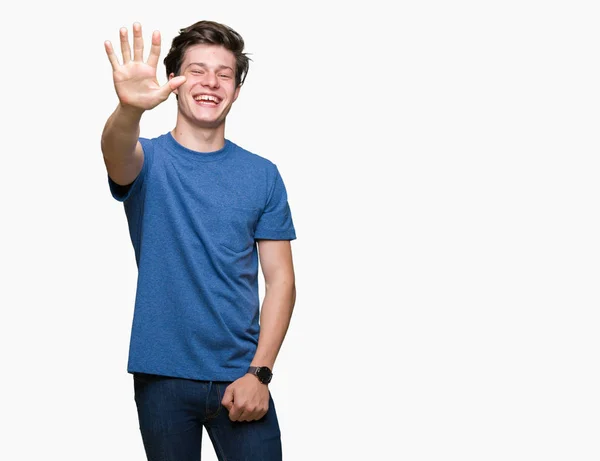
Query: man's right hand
[135, 80]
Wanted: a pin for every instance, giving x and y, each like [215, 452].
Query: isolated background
[441, 160]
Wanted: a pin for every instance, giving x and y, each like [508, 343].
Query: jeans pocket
[141, 380]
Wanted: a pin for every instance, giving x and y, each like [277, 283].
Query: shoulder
[252, 159]
[153, 141]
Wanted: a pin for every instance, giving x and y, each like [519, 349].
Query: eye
[225, 76]
[197, 72]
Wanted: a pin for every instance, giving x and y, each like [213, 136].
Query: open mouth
[207, 100]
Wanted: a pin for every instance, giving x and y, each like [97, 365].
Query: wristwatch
[263, 374]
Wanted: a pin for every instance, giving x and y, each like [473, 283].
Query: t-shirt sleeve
[275, 222]
[122, 193]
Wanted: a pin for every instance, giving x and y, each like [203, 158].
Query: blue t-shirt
[194, 219]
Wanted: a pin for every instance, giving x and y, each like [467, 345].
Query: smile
[207, 100]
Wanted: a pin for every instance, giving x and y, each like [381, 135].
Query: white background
[441, 161]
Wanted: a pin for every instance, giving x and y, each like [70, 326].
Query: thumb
[227, 400]
[171, 85]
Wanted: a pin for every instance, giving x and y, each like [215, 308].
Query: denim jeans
[172, 412]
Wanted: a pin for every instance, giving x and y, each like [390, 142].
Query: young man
[202, 212]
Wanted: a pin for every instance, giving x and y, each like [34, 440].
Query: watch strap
[256, 371]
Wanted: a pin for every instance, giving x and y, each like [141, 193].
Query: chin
[208, 123]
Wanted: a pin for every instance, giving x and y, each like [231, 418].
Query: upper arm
[275, 222]
[276, 261]
[127, 168]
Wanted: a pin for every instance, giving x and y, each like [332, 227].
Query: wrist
[263, 374]
[130, 112]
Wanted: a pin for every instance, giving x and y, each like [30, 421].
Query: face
[209, 90]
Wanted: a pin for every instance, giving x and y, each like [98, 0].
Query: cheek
[185, 88]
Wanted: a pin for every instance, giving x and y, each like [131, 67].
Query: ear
[176, 91]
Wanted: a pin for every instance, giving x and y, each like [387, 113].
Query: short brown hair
[212, 33]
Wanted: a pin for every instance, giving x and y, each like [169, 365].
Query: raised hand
[135, 80]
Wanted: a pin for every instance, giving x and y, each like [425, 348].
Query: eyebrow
[201, 64]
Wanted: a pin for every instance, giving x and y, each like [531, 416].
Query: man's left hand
[247, 399]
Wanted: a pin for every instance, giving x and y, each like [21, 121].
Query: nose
[210, 79]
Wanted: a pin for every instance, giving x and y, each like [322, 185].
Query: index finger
[154, 49]
[112, 57]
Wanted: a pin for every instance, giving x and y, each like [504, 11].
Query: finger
[154, 49]
[165, 91]
[258, 413]
[125, 49]
[251, 416]
[138, 42]
[176, 82]
[245, 416]
[227, 400]
[112, 57]
[235, 413]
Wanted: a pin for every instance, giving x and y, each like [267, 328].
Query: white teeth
[206, 97]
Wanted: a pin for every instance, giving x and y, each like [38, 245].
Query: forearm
[120, 135]
[275, 317]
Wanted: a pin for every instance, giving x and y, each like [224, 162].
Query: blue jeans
[172, 412]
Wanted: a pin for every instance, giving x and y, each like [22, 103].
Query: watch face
[264, 374]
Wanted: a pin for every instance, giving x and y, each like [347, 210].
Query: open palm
[135, 80]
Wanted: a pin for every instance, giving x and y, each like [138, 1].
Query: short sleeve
[122, 193]
[275, 223]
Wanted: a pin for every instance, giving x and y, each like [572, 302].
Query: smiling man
[202, 213]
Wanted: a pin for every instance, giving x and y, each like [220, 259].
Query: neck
[199, 139]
